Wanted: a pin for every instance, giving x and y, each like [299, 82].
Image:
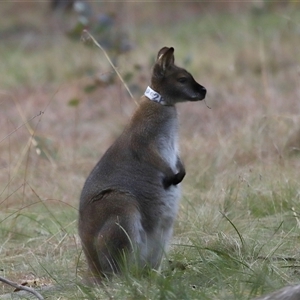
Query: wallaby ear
[165, 57]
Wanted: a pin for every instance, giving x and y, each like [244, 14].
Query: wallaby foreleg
[152, 156]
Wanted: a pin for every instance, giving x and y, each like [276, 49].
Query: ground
[61, 106]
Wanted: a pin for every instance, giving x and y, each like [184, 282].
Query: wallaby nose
[199, 94]
[203, 92]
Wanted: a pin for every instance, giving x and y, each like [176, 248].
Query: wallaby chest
[167, 144]
[156, 126]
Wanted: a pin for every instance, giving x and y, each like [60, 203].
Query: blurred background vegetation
[62, 105]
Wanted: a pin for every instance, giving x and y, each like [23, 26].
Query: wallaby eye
[182, 79]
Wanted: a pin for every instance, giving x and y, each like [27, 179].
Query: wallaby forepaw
[173, 180]
[178, 178]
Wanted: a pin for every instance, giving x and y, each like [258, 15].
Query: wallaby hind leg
[117, 243]
[116, 234]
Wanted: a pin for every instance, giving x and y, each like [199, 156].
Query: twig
[25, 123]
[22, 287]
[85, 32]
[206, 104]
[277, 258]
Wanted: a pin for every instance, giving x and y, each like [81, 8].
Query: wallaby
[130, 200]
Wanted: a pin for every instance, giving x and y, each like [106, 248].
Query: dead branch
[22, 287]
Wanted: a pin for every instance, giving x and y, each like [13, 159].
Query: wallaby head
[174, 84]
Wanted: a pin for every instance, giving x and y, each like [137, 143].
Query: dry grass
[238, 227]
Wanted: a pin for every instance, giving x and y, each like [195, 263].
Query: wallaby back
[130, 200]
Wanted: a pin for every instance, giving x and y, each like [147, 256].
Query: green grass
[237, 231]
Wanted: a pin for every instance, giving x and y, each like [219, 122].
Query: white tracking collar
[154, 96]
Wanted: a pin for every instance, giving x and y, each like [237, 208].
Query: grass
[237, 232]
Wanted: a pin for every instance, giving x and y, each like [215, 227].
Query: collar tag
[154, 96]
